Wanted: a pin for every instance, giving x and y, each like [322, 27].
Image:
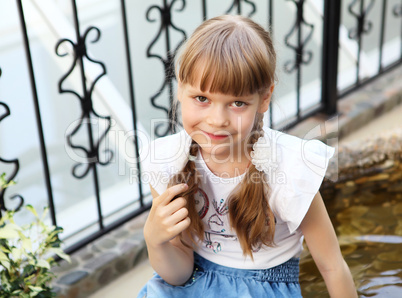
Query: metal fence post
[42, 143]
[329, 71]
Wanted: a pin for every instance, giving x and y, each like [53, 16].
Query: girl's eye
[238, 104]
[201, 99]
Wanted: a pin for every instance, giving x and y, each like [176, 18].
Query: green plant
[4, 183]
[26, 254]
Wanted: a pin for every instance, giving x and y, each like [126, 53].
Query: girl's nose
[218, 118]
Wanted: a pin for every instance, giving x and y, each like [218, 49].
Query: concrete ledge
[366, 157]
[102, 261]
[355, 110]
[117, 252]
[372, 163]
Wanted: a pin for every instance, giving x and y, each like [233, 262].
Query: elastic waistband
[287, 272]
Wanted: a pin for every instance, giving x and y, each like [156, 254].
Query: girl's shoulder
[163, 157]
[298, 145]
[169, 148]
[286, 151]
[295, 169]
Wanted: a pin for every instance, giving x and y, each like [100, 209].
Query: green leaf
[17, 253]
[60, 253]
[28, 270]
[13, 226]
[27, 244]
[45, 211]
[4, 183]
[36, 289]
[3, 256]
[5, 249]
[32, 209]
[6, 264]
[7, 232]
[43, 263]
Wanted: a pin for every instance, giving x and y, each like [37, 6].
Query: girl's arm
[166, 220]
[324, 248]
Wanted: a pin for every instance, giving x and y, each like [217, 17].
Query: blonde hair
[237, 58]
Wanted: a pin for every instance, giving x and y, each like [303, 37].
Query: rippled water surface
[369, 229]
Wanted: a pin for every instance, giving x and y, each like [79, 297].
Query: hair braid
[257, 131]
[190, 176]
[249, 211]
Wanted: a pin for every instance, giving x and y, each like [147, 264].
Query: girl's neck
[227, 168]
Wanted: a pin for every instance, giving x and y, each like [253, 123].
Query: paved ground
[390, 120]
[129, 284]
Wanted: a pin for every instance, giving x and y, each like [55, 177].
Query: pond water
[369, 228]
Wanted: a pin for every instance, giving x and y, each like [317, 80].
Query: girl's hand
[167, 218]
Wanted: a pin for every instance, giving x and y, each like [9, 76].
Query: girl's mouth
[215, 136]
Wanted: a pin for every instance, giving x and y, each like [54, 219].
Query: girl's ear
[266, 99]
[179, 90]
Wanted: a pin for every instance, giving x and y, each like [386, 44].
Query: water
[369, 228]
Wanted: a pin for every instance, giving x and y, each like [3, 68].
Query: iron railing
[360, 10]
[298, 39]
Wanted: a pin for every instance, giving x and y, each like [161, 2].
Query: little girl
[233, 198]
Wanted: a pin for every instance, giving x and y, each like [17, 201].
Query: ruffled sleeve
[162, 158]
[300, 170]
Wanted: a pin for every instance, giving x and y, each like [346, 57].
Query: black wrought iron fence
[297, 40]
[361, 10]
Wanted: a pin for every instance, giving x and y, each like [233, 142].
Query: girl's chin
[222, 153]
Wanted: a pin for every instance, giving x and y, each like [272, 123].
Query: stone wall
[102, 261]
[374, 163]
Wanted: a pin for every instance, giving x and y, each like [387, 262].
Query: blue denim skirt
[213, 280]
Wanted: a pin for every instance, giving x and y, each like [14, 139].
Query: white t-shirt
[295, 172]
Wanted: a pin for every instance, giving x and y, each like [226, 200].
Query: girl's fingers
[168, 218]
[177, 217]
[180, 226]
[170, 193]
[174, 205]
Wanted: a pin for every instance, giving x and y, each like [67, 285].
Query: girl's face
[220, 123]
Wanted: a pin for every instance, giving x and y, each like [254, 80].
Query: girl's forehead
[196, 90]
[197, 81]
[198, 73]
[207, 75]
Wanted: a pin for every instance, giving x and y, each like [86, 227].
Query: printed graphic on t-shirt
[201, 203]
[216, 224]
[215, 246]
[222, 208]
[215, 220]
[212, 242]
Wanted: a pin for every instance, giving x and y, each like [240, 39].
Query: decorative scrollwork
[165, 13]
[13, 174]
[397, 10]
[88, 112]
[302, 56]
[363, 26]
[236, 4]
